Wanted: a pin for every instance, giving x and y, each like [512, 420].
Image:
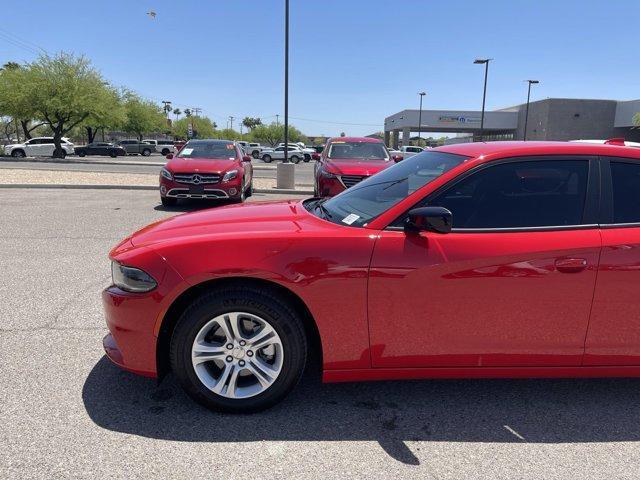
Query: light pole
[484, 61]
[422, 94]
[286, 81]
[526, 115]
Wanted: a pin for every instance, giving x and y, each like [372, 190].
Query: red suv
[211, 169]
[346, 161]
[503, 259]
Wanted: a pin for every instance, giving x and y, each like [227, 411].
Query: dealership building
[549, 119]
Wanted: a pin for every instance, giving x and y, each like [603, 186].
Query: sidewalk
[68, 179]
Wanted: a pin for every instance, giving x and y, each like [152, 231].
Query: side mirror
[246, 158]
[315, 156]
[430, 219]
[170, 156]
[397, 158]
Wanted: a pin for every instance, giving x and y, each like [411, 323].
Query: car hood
[203, 165]
[353, 166]
[252, 219]
[13, 145]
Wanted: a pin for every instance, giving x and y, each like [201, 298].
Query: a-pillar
[406, 137]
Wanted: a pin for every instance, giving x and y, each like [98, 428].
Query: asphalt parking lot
[65, 411]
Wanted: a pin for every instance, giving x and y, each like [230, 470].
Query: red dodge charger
[503, 259]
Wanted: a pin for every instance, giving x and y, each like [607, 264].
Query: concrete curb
[134, 187]
[78, 161]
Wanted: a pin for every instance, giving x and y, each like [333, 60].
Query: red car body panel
[328, 170]
[391, 305]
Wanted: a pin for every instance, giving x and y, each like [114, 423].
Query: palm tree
[177, 112]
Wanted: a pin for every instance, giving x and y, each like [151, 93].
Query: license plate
[196, 188]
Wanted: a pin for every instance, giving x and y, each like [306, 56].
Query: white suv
[38, 147]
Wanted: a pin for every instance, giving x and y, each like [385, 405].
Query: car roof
[211, 140]
[501, 149]
[354, 139]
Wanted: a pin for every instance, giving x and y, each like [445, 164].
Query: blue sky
[352, 62]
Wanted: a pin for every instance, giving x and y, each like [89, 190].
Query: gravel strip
[42, 177]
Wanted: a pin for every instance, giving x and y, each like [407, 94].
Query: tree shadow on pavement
[390, 413]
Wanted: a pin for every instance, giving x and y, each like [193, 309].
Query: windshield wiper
[324, 209]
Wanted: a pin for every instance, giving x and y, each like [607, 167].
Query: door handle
[571, 265]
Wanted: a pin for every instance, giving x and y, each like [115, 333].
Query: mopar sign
[458, 119]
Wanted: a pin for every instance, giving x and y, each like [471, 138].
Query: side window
[47, 141]
[523, 194]
[280, 149]
[626, 192]
[33, 141]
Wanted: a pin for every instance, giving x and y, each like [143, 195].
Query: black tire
[62, 153]
[18, 153]
[295, 159]
[82, 153]
[307, 159]
[165, 151]
[249, 191]
[113, 154]
[255, 154]
[168, 201]
[243, 194]
[266, 158]
[146, 152]
[257, 301]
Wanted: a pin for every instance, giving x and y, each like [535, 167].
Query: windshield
[357, 150]
[199, 149]
[360, 204]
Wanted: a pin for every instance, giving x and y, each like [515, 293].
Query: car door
[614, 327]
[511, 285]
[278, 153]
[31, 147]
[46, 147]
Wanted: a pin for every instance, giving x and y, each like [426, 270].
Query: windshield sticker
[349, 219]
[186, 151]
[230, 146]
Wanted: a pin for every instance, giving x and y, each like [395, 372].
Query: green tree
[636, 119]
[13, 103]
[274, 133]
[251, 122]
[63, 91]
[142, 116]
[228, 134]
[112, 116]
[177, 112]
[203, 127]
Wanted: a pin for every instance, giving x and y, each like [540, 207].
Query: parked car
[136, 147]
[612, 141]
[346, 161]
[251, 148]
[38, 147]
[410, 150]
[498, 259]
[100, 148]
[306, 151]
[270, 154]
[165, 147]
[209, 169]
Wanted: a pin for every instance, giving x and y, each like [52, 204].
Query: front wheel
[255, 154]
[266, 158]
[295, 159]
[238, 349]
[146, 152]
[18, 154]
[82, 154]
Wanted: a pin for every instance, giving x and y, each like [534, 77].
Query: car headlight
[166, 174]
[131, 279]
[230, 175]
[327, 174]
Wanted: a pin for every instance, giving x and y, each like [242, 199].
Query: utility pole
[422, 94]
[526, 115]
[485, 62]
[277, 120]
[196, 111]
[231, 119]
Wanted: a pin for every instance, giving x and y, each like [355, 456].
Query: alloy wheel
[237, 355]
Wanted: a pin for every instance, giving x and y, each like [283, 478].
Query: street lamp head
[482, 60]
[532, 81]
[422, 93]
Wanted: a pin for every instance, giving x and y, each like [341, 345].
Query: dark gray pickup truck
[133, 147]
